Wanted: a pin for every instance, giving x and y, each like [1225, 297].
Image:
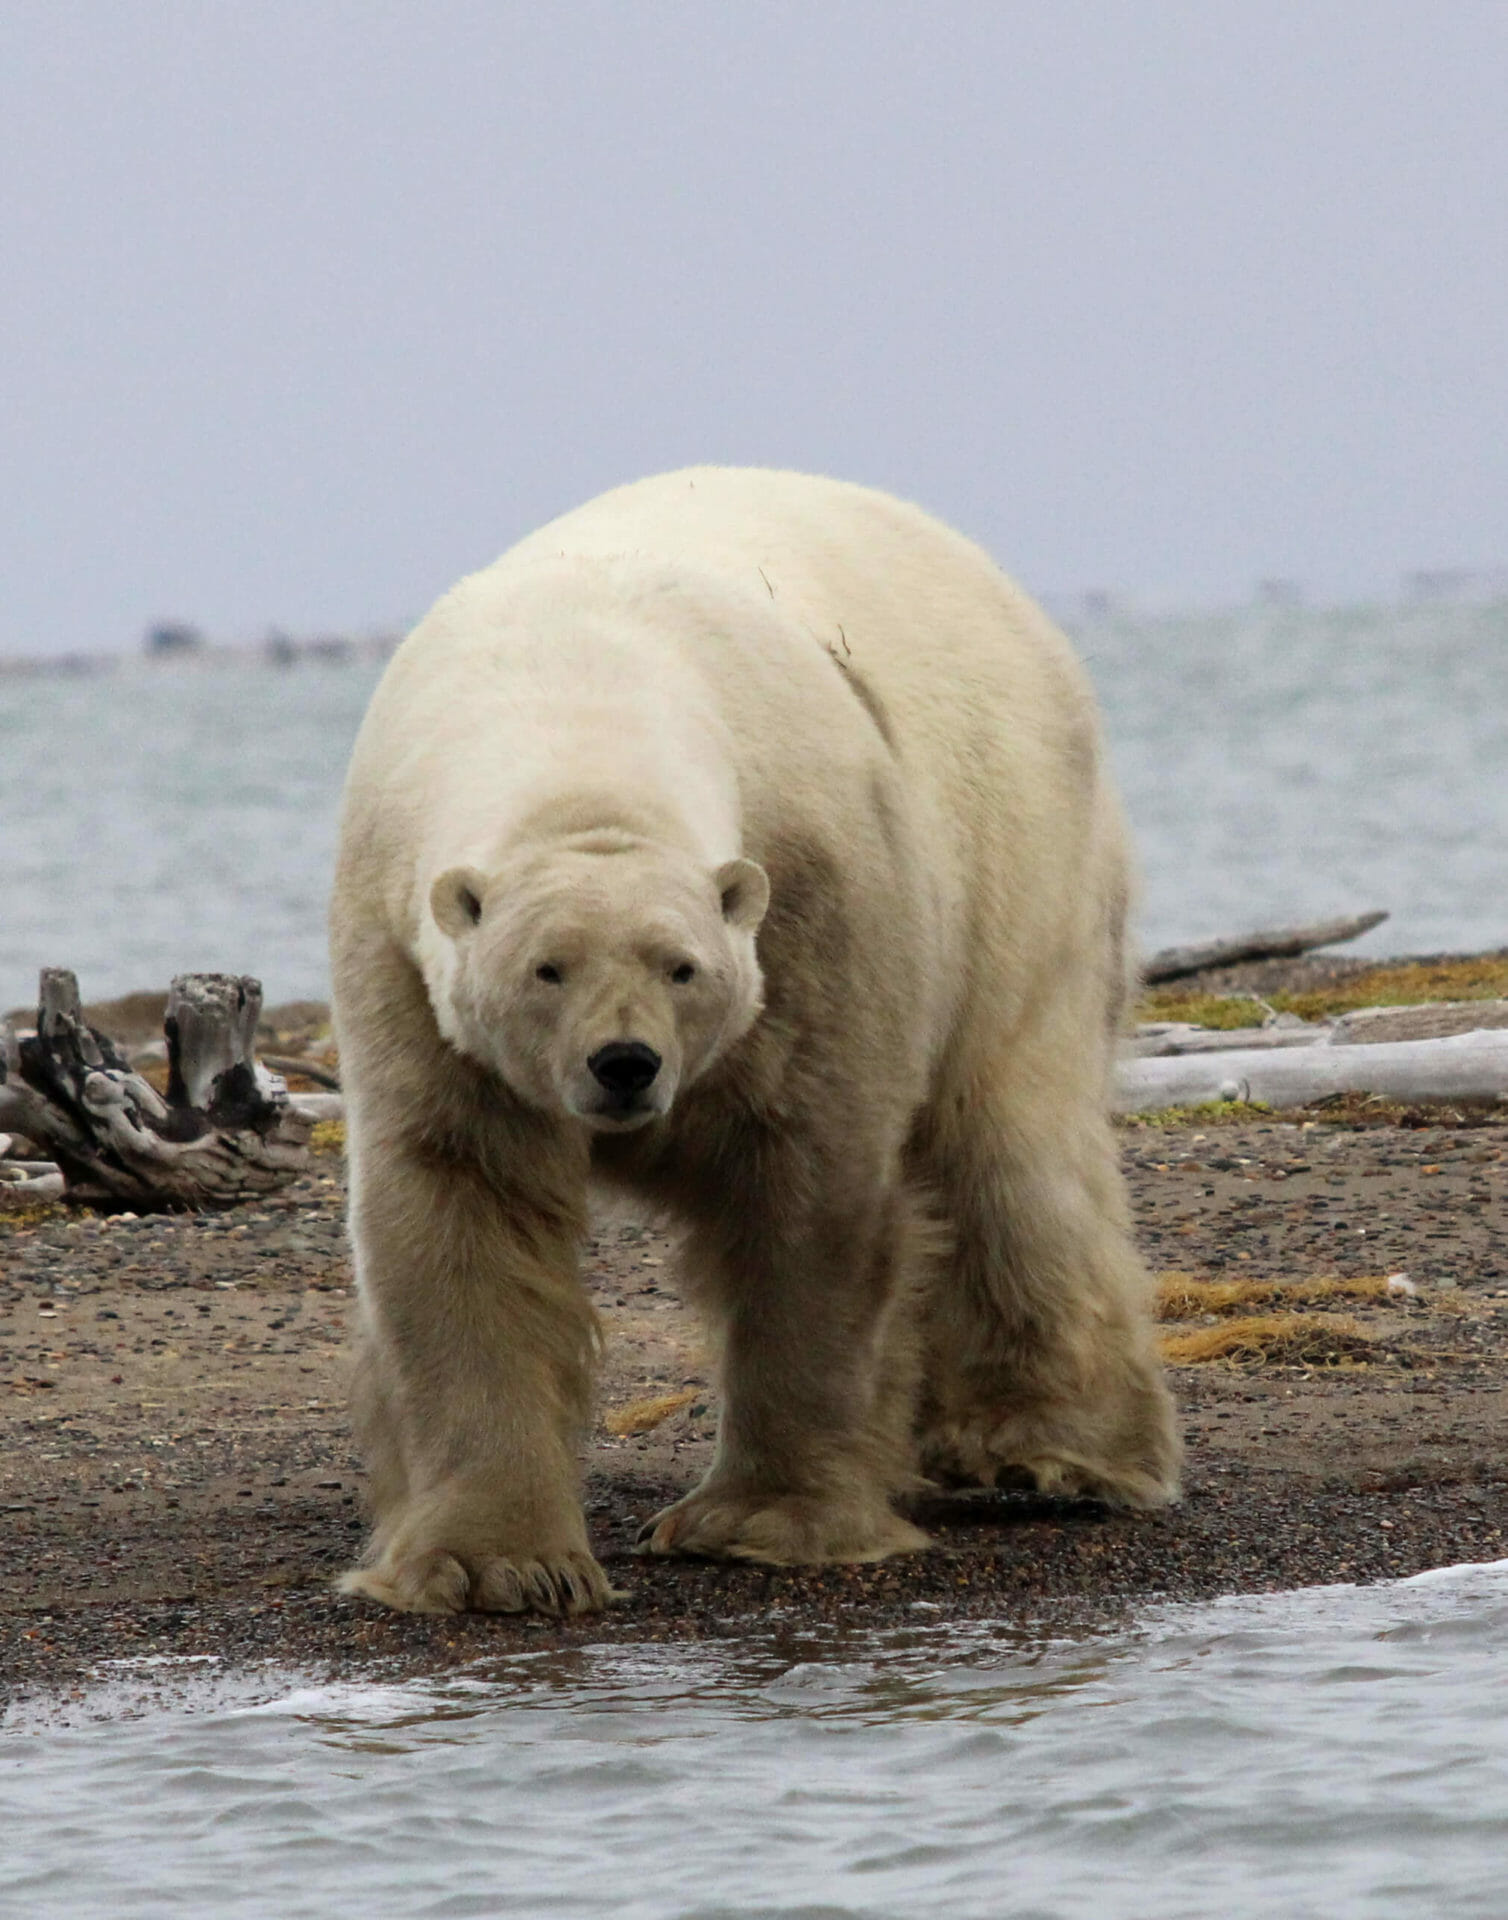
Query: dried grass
[329, 1136]
[643, 1416]
[1275, 1339]
[1360, 1110]
[1180, 1296]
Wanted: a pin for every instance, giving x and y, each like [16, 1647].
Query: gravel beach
[177, 1475]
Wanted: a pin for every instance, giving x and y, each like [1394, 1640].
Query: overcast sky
[307, 308]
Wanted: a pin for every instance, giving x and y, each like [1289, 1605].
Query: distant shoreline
[1080, 614]
[278, 650]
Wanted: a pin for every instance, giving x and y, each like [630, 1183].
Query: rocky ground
[177, 1473]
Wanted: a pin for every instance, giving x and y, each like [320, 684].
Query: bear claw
[780, 1531]
[439, 1582]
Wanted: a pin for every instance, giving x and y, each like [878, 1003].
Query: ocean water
[1338, 1754]
[1278, 765]
[1283, 764]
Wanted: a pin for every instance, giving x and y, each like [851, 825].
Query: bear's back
[973, 687]
[921, 615]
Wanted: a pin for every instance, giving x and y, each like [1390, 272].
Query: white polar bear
[744, 840]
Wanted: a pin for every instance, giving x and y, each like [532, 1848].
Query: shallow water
[1277, 765]
[1340, 1752]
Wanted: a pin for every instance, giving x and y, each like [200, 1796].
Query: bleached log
[1279, 943]
[226, 1131]
[1467, 1066]
[1365, 1027]
[28, 1192]
[1167, 1042]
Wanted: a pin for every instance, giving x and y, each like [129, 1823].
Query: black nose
[625, 1067]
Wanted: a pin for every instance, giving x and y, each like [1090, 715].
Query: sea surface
[1279, 764]
[1336, 1754]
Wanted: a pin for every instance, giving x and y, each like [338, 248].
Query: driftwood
[1176, 1038]
[314, 1070]
[1436, 1020]
[1280, 943]
[1366, 1027]
[226, 1131]
[1467, 1066]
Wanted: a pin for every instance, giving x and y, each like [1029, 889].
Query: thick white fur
[884, 1128]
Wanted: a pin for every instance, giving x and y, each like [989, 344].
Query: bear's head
[600, 976]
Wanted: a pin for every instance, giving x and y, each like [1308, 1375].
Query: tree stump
[225, 1133]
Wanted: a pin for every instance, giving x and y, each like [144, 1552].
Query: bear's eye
[547, 972]
[684, 972]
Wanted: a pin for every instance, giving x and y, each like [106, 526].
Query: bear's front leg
[815, 1308]
[474, 1368]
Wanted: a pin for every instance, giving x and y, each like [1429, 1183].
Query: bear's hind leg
[814, 1310]
[1041, 1356]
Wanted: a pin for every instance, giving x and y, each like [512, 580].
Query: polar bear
[742, 840]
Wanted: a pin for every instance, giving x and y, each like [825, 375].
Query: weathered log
[1175, 1039]
[226, 1132]
[315, 1070]
[32, 1188]
[1435, 1020]
[1468, 1066]
[1365, 1027]
[1279, 943]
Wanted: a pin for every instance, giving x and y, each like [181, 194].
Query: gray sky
[307, 308]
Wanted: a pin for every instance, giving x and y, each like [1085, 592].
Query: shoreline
[178, 1476]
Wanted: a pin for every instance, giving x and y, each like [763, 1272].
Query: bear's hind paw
[962, 1461]
[780, 1530]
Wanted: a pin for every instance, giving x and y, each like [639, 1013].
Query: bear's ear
[744, 889]
[456, 900]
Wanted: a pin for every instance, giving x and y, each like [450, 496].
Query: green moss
[1217, 1113]
[1200, 1009]
[1401, 984]
[1415, 983]
[16, 1219]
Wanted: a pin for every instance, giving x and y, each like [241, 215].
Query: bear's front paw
[441, 1582]
[783, 1530]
